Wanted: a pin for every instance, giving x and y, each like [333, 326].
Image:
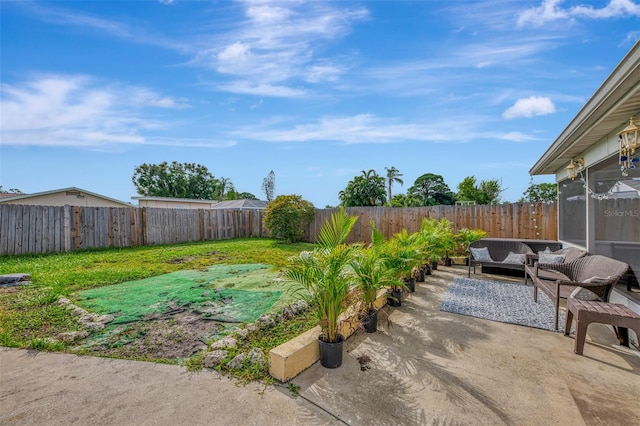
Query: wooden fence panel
[43, 229]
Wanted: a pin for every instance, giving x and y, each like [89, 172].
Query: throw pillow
[481, 254]
[515, 258]
[550, 258]
[584, 294]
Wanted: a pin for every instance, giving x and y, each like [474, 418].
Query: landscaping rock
[299, 306]
[242, 333]
[256, 356]
[251, 327]
[214, 358]
[238, 361]
[106, 319]
[73, 336]
[265, 321]
[225, 343]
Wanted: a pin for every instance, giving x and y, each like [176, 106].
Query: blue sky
[315, 91]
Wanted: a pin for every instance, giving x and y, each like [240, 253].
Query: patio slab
[431, 367]
[434, 367]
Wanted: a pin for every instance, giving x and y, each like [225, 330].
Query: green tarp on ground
[228, 293]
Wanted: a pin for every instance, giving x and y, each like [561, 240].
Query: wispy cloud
[369, 129]
[276, 45]
[551, 10]
[69, 17]
[529, 107]
[76, 110]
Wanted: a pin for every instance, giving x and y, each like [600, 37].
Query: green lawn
[30, 316]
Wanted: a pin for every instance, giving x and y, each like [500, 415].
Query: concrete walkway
[430, 367]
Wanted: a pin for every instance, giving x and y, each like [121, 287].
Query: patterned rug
[501, 301]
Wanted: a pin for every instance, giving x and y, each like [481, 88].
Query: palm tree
[393, 175]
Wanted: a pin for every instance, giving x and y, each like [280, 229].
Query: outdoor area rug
[500, 301]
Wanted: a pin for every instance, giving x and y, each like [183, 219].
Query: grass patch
[31, 313]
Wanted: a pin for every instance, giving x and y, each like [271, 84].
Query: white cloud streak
[529, 107]
[551, 10]
[276, 45]
[371, 129]
[63, 110]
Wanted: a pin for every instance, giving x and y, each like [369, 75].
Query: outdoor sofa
[498, 253]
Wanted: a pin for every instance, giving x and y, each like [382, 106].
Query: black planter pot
[434, 265]
[466, 261]
[421, 273]
[411, 284]
[331, 353]
[427, 269]
[370, 322]
[394, 298]
[447, 261]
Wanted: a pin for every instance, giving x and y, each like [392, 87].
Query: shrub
[286, 215]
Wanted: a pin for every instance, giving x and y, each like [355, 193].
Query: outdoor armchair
[596, 273]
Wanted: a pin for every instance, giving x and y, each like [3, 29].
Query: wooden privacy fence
[26, 229]
[536, 221]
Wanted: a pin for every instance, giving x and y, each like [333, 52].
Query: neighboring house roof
[608, 111]
[176, 200]
[74, 190]
[241, 204]
[8, 195]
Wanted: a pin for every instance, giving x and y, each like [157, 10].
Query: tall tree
[10, 191]
[175, 180]
[223, 188]
[368, 189]
[537, 192]
[431, 189]
[393, 175]
[484, 193]
[269, 185]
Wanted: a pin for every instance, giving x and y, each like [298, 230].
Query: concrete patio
[430, 367]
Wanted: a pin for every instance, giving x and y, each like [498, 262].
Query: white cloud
[63, 110]
[361, 128]
[245, 87]
[550, 10]
[529, 107]
[517, 137]
[276, 44]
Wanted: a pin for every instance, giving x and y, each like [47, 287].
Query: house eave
[608, 111]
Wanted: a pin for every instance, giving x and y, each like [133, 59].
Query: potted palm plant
[372, 275]
[326, 278]
[464, 237]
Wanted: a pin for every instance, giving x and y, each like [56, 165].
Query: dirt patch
[172, 336]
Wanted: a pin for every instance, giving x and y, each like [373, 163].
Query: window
[615, 212]
[572, 212]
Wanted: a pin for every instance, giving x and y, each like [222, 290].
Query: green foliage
[10, 191]
[401, 253]
[393, 176]
[286, 216]
[465, 236]
[402, 200]
[336, 231]
[372, 275]
[294, 389]
[540, 192]
[177, 180]
[431, 190]
[246, 196]
[368, 189]
[269, 186]
[437, 237]
[484, 193]
[325, 275]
